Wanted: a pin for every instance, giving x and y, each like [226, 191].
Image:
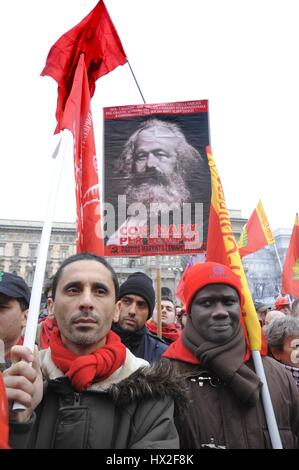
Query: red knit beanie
[203, 274]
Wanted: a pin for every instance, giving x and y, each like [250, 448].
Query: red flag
[256, 233]
[3, 416]
[290, 272]
[96, 37]
[78, 119]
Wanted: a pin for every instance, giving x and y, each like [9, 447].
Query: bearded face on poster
[155, 161]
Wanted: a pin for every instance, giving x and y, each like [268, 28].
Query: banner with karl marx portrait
[157, 184]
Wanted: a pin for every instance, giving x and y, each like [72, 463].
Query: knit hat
[139, 284]
[203, 274]
[14, 286]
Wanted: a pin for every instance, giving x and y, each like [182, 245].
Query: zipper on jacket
[77, 399]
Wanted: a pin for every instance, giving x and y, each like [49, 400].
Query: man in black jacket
[97, 394]
[136, 304]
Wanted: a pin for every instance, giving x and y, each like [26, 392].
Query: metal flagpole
[35, 298]
[136, 83]
[280, 265]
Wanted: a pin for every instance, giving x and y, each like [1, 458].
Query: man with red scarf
[225, 408]
[97, 393]
[170, 331]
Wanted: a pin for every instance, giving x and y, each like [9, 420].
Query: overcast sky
[240, 55]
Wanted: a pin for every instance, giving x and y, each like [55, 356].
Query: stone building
[19, 241]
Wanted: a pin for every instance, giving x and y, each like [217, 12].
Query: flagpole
[35, 298]
[267, 403]
[277, 255]
[136, 83]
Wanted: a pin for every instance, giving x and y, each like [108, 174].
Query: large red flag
[222, 248]
[78, 119]
[96, 37]
[256, 233]
[290, 272]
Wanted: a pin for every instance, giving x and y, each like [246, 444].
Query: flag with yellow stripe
[256, 233]
[222, 248]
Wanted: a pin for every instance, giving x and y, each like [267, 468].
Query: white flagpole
[277, 255]
[35, 299]
[267, 402]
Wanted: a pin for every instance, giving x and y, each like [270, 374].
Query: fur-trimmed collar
[157, 381]
[132, 363]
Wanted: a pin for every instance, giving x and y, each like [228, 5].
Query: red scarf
[84, 370]
[169, 332]
[47, 326]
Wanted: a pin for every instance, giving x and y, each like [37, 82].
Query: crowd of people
[99, 359]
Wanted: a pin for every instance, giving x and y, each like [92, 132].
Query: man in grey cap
[136, 303]
[262, 309]
[14, 304]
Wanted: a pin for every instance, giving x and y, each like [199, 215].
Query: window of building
[64, 252]
[32, 251]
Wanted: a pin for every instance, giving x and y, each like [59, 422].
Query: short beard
[173, 194]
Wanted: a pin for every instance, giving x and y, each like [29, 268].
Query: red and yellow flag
[256, 233]
[290, 272]
[222, 248]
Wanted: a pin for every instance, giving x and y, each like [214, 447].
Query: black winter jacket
[135, 413]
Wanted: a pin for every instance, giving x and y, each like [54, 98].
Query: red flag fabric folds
[78, 119]
[96, 37]
[290, 272]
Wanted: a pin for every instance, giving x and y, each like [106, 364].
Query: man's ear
[24, 317]
[116, 312]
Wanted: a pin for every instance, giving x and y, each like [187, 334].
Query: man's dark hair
[23, 304]
[165, 297]
[83, 257]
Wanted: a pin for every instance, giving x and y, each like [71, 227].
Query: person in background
[48, 323]
[136, 304]
[170, 331]
[272, 315]
[295, 308]
[283, 304]
[282, 335]
[262, 309]
[97, 394]
[14, 304]
[213, 356]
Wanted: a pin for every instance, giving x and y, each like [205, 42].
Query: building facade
[19, 241]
